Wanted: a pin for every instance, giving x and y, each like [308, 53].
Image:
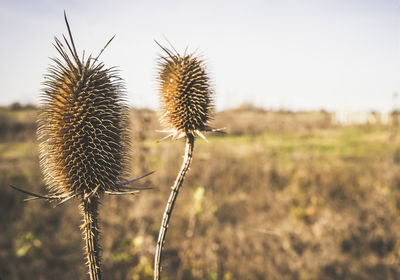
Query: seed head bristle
[185, 92]
[82, 129]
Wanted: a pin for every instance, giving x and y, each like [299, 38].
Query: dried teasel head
[82, 129]
[186, 93]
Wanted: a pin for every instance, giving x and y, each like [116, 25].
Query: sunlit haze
[301, 55]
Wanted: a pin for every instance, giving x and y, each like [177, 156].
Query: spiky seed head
[185, 92]
[82, 129]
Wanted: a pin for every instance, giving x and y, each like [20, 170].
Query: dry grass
[286, 196]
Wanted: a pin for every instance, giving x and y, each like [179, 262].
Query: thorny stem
[170, 205]
[91, 232]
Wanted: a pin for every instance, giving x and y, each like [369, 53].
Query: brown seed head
[185, 92]
[82, 128]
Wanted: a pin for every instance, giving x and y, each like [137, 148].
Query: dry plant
[83, 136]
[187, 105]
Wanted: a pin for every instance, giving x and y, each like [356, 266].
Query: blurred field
[283, 195]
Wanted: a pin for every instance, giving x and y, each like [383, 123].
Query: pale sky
[293, 54]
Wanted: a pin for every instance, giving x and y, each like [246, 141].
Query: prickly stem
[90, 229]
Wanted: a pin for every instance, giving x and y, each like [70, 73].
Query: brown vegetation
[282, 196]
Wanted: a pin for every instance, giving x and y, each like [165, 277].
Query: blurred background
[304, 185]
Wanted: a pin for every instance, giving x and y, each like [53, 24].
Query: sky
[276, 54]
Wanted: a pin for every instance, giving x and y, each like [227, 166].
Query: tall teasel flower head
[186, 93]
[82, 128]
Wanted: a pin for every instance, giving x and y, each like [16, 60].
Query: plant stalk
[170, 205]
[89, 209]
